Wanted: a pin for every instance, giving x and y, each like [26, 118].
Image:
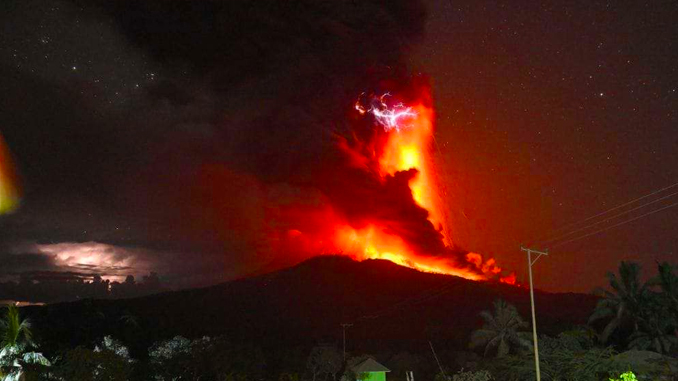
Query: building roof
[369, 365]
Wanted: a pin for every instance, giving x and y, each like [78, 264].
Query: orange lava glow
[408, 146]
[372, 242]
[10, 195]
[409, 149]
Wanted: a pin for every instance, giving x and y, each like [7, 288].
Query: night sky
[550, 114]
[158, 135]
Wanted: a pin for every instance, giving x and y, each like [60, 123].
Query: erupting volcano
[385, 200]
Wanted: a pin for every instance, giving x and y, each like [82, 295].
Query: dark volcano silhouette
[391, 308]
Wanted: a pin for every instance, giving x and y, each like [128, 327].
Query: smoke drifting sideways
[276, 85]
[239, 143]
[259, 92]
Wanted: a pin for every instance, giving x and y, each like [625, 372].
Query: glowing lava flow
[372, 242]
[409, 136]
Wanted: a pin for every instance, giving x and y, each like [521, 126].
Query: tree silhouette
[324, 360]
[658, 319]
[501, 330]
[668, 281]
[625, 301]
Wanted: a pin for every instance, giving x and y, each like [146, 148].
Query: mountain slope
[391, 307]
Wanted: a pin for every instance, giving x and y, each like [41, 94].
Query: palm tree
[502, 330]
[15, 340]
[656, 334]
[658, 330]
[668, 281]
[626, 300]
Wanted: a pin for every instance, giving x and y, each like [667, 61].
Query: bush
[481, 375]
[627, 376]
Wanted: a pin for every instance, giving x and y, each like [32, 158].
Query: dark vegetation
[52, 287]
[286, 326]
[392, 307]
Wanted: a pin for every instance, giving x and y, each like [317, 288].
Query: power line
[615, 225]
[435, 292]
[615, 208]
[608, 219]
[573, 224]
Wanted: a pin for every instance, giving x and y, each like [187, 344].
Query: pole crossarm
[535, 252]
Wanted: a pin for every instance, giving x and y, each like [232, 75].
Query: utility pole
[344, 326]
[530, 262]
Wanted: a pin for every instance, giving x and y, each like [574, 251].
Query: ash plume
[231, 144]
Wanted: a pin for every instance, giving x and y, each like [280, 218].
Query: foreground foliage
[626, 376]
[15, 346]
[644, 316]
[634, 318]
[480, 375]
[502, 330]
[565, 358]
[206, 358]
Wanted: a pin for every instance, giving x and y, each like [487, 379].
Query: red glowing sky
[191, 153]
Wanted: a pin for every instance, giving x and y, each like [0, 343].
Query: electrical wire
[573, 224]
[615, 225]
[544, 243]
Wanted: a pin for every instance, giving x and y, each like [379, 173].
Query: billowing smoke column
[281, 130]
[386, 203]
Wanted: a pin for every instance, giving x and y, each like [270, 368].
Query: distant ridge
[390, 306]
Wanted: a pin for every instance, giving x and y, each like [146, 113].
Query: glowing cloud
[111, 262]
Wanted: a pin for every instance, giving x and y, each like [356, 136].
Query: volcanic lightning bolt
[382, 198]
[391, 118]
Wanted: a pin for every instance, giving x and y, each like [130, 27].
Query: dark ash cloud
[213, 114]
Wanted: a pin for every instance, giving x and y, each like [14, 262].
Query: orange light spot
[409, 157]
[509, 279]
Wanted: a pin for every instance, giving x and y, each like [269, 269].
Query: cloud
[84, 259]
[237, 112]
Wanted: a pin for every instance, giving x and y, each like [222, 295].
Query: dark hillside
[393, 308]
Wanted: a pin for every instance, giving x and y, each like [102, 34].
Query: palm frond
[501, 328]
[612, 280]
[484, 334]
[521, 339]
[487, 316]
[601, 313]
[503, 349]
[639, 340]
[491, 344]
